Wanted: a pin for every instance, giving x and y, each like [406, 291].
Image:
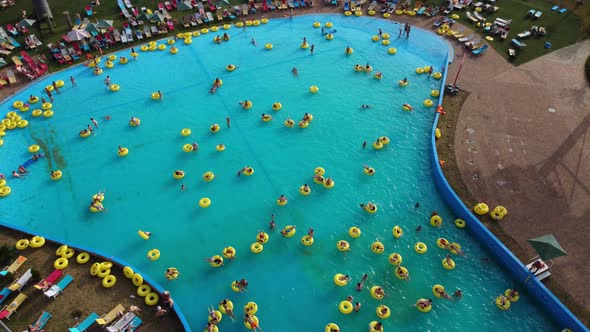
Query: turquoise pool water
[292, 284]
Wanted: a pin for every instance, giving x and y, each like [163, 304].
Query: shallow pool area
[291, 283]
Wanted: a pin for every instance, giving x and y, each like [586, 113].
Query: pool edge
[516, 269]
[116, 260]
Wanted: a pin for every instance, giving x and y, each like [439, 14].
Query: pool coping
[515, 268]
[115, 260]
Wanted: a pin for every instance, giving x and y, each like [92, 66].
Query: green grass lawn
[562, 29]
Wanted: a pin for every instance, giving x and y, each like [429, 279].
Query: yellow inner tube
[82, 258]
[109, 281]
[345, 307]
[354, 232]
[420, 247]
[144, 290]
[22, 244]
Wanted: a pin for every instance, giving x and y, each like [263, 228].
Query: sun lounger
[538, 14]
[244, 9]
[21, 259]
[518, 43]
[41, 321]
[531, 12]
[539, 268]
[49, 280]
[511, 52]
[5, 292]
[9, 309]
[524, 34]
[480, 50]
[504, 34]
[479, 17]
[554, 8]
[147, 32]
[22, 281]
[471, 17]
[111, 315]
[154, 30]
[58, 288]
[562, 10]
[502, 22]
[129, 319]
[85, 324]
[464, 39]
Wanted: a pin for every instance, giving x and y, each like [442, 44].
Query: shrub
[7, 254]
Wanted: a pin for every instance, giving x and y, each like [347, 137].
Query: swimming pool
[292, 284]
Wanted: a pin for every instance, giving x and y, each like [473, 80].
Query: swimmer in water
[366, 106]
[214, 260]
[458, 294]
[294, 71]
[195, 147]
[272, 220]
[253, 41]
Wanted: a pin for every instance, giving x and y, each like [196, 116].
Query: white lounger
[541, 273]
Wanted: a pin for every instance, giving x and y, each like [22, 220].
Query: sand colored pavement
[522, 141]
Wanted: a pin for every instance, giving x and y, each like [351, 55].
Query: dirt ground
[83, 296]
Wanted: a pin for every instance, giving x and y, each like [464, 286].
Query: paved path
[522, 141]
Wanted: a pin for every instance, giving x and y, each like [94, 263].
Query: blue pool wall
[113, 259]
[517, 270]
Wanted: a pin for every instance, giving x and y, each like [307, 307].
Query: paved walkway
[522, 142]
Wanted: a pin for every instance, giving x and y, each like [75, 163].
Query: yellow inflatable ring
[338, 281]
[128, 272]
[428, 103]
[319, 171]
[437, 290]
[60, 263]
[162, 47]
[152, 299]
[248, 171]
[22, 244]
[303, 124]
[46, 106]
[435, 93]
[354, 232]
[328, 183]
[178, 174]
[374, 293]
[220, 147]
[377, 247]
[187, 148]
[314, 89]
[214, 128]
[289, 123]
[420, 247]
[498, 213]
[481, 209]
[68, 253]
[114, 87]
[425, 309]
[442, 243]
[420, 70]
[448, 265]
[385, 42]
[102, 273]
[137, 279]
[282, 202]
[37, 242]
[123, 60]
[34, 148]
[347, 13]
[506, 304]
[370, 171]
[230, 67]
[228, 303]
[204, 202]
[345, 307]
[268, 46]
[153, 254]
[317, 24]
[173, 50]
[48, 113]
[397, 232]
[511, 298]
[437, 75]
[348, 50]
[61, 250]
[106, 265]
[37, 113]
[342, 245]
[262, 237]
[82, 258]
[289, 231]
[33, 100]
[254, 319]
[208, 176]
[277, 106]
[403, 269]
[453, 251]
[377, 145]
[216, 258]
[436, 221]
[109, 281]
[256, 248]
[144, 290]
[331, 327]
[251, 308]
[304, 190]
[395, 259]
[329, 36]
[371, 208]
[94, 268]
[123, 152]
[266, 118]
[383, 311]
[384, 140]
[307, 240]
[22, 123]
[229, 252]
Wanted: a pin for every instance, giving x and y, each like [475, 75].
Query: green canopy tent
[183, 6]
[27, 23]
[104, 24]
[547, 247]
[157, 18]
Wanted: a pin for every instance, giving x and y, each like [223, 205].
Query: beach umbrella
[2, 62]
[547, 247]
[157, 17]
[104, 24]
[143, 17]
[76, 35]
[27, 23]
